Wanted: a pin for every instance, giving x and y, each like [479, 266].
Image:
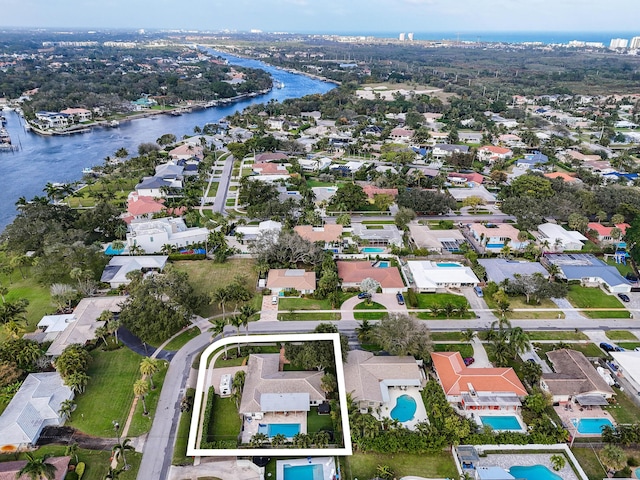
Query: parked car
[631, 277]
[607, 347]
[274, 300]
[619, 349]
[624, 297]
[478, 291]
[468, 360]
[400, 298]
[362, 295]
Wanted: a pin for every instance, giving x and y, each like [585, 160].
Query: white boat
[114, 123]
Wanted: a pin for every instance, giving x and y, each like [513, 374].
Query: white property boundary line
[193, 450]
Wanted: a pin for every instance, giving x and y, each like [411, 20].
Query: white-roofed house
[251, 232]
[438, 276]
[33, 407]
[115, 273]
[152, 235]
[560, 239]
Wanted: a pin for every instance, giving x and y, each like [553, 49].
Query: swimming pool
[373, 250]
[383, 264]
[501, 422]
[534, 472]
[448, 265]
[111, 251]
[303, 472]
[289, 430]
[405, 408]
[591, 426]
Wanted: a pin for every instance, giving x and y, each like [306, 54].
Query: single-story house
[604, 233]
[575, 379]
[477, 388]
[591, 271]
[559, 239]
[270, 157]
[460, 194]
[494, 236]
[387, 235]
[33, 407]
[470, 137]
[155, 186]
[142, 207]
[465, 178]
[115, 273]
[50, 326]
[251, 232]
[532, 160]
[628, 363]
[430, 277]
[440, 241]
[491, 153]
[270, 169]
[327, 234]
[282, 280]
[153, 235]
[352, 274]
[567, 177]
[369, 377]
[372, 191]
[10, 470]
[187, 151]
[501, 269]
[82, 328]
[267, 389]
[443, 150]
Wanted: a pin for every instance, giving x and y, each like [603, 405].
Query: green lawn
[536, 335]
[428, 300]
[309, 316]
[109, 393]
[182, 339]
[623, 269]
[621, 335]
[294, 303]
[378, 222]
[97, 462]
[629, 345]
[369, 315]
[589, 463]
[140, 423]
[433, 465]
[624, 410]
[225, 420]
[182, 436]
[584, 297]
[519, 302]
[206, 276]
[316, 422]
[465, 349]
[588, 349]
[446, 336]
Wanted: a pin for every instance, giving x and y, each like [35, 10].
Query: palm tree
[140, 389]
[72, 451]
[149, 367]
[385, 472]
[468, 335]
[77, 382]
[613, 457]
[364, 330]
[218, 329]
[278, 439]
[37, 468]
[120, 448]
[66, 407]
[102, 332]
[531, 372]
[236, 321]
[258, 439]
[221, 296]
[518, 341]
[246, 312]
[321, 439]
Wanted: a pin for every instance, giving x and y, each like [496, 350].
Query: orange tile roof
[564, 176]
[355, 272]
[495, 149]
[455, 377]
[372, 191]
[144, 205]
[269, 169]
[328, 233]
[604, 231]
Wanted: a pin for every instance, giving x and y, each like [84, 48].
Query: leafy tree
[285, 250]
[369, 285]
[474, 202]
[166, 139]
[74, 359]
[401, 334]
[535, 286]
[426, 202]
[349, 197]
[578, 222]
[403, 217]
[529, 185]
[318, 355]
[557, 462]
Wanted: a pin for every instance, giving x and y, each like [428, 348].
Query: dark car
[400, 298]
[607, 347]
[618, 349]
[468, 360]
[624, 297]
[631, 277]
[362, 295]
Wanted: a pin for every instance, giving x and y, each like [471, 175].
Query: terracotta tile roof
[270, 169]
[288, 278]
[372, 190]
[456, 378]
[328, 233]
[355, 272]
[564, 176]
[469, 177]
[142, 205]
[9, 470]
[604, 231]
[495, 150]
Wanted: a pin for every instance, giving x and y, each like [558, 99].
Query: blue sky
[328, 15]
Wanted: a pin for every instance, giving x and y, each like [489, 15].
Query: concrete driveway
[478, 305]
[479, 355]
[387, 299]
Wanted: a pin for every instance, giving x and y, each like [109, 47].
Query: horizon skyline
[330, 16]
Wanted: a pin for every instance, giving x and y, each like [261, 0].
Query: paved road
[220, 202]
[158, 448]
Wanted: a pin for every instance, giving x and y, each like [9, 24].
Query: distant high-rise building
[618, 43]
[401, 37]
[410, 36]
[635, 43]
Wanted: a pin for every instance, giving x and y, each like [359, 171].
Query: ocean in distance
[502, 36]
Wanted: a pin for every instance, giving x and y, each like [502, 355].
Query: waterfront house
[77, 114]
[477, 388]
[153, 235]
[52, 119]
[187, 151]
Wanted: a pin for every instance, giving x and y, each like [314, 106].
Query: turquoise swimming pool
[448, 265]
[591, 426]
[501, 422]
[111, 251]
[383, 264]
[535, 472]
[373, 250]
[405, 408]
[303, 472]
[289, 430]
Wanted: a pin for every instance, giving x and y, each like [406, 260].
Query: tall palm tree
[221, 296]
[218, 329]
[258, 439]
[140, 389]
[77, 382]
[149, 367]
[120, 448]
[246, 312]
[66, 407]
[518, 341]
[467, 335]
[37, 468]
[278, 439]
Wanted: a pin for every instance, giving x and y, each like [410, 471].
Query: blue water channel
[62, 158]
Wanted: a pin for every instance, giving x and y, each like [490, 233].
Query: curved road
[158, 448]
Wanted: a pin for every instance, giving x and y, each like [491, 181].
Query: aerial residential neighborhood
[460, 260]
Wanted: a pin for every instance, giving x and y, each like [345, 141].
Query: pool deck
[576, 412]
[251, 427]
[328, 466]
[421, 413]
[506, 461]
